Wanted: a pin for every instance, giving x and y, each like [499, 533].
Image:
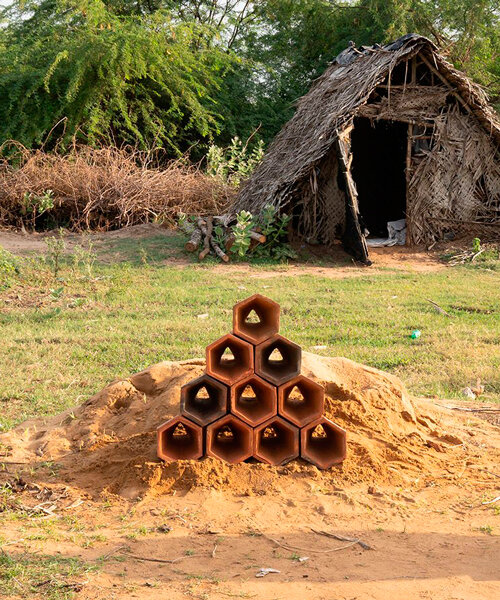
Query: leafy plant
[241, 233]
[219, 236]
[275, 227]
[234, 163]
[56, 247]
[9, 268]
[36, 205]
[85, 257]
[476, 245]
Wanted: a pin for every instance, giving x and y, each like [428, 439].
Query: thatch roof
[331, 104]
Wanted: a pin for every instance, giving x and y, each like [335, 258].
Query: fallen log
[258, 237]
[219, 252]
[194, 241]
[207, 240]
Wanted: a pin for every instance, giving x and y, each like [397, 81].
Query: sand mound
[107, 444]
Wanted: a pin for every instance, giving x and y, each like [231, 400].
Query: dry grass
[105, 188]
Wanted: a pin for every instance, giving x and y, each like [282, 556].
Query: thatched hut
[386, 133]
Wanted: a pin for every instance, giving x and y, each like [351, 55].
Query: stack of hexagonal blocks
[253, 404]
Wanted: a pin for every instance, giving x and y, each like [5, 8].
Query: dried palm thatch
[458, 179]
[106, 188]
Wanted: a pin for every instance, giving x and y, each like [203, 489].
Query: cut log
[258, 237]
[220, 253]
[202, 225]
[206, 241]
[194, 241]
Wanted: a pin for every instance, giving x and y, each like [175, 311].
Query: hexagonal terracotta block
[279, 371]
[229, 371]
[276, 442]
[256, 408]
[179, 439]
[267, 323]
[230, 440]
[301, 400]
[325, 450]
[204, 400]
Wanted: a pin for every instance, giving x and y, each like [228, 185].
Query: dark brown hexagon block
[301, 400]
[179, 439]
[278, 370]
[276, 442]
[204, 400]
[229, 439]
[266, 321]
[254, 400]
[238, 365]
[323, 443]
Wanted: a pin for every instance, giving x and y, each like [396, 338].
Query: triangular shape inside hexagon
[227, 356]
[295, 397]
[276, 357]
[252, 318]
[202, 395]
[180, 431]
[319, 432]
[248, 396]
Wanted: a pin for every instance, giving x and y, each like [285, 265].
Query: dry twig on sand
[307, 550]
[342, 538]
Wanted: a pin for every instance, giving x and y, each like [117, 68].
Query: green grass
[61, 346]
[36, 575]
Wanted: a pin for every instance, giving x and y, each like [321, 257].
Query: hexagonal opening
[276, 442]
[229, 439]
[253, 400]
[323, 443]
[204, 400]
[229, 359]
[180, 439]
[301, 401]
[256, 319]
[278, 360]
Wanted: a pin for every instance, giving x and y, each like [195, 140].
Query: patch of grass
[57, 352]
[486, 529]
[51, 577]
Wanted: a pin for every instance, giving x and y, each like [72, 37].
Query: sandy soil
[411, 489]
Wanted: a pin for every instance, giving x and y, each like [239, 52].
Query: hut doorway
[379, 170]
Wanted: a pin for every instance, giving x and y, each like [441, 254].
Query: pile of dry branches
[106, 188]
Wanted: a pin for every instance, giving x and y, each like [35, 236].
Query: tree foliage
[190, 72]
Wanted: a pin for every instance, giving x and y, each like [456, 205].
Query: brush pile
[102, 188]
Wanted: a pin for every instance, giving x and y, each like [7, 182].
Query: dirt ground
[337, 263]
[413, 490]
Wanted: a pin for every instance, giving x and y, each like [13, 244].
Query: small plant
[234, 163]
[486, 529]
[476, 245]
[84, 257]
[241, 232]
[56, 247]
[9, 268]
[36, 205]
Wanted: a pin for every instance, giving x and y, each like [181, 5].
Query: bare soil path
[336, 264]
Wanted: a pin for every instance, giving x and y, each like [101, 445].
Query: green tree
[81, 68]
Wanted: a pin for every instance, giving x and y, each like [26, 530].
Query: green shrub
[9, 268]
[234, 163]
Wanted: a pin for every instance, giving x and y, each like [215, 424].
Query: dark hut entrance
[379, 151]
